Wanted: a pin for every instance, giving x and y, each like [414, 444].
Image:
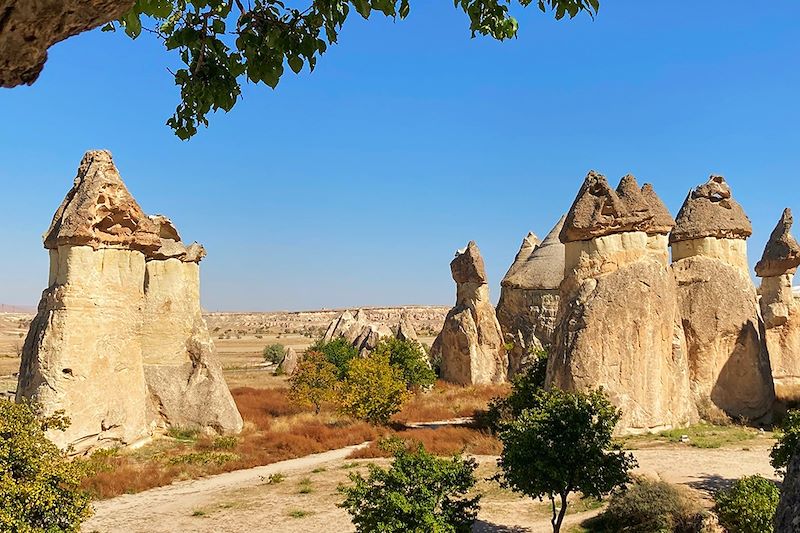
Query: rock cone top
[99, 211]
[599, 210]
[544, 267]
[782, 252]
[529, 244]
[710, 211]
[468, 267]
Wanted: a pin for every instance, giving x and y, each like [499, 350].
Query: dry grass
[446, 401]
[441, 441]
[275, 431]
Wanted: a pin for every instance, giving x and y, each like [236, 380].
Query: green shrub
[419, 493]
[409, 357]
[748, 506]
[338, 352]
[788, 436]
[225, 442]
[374, 390]
[274, 353]
[648, 506]
[39, 486]
[524, 387]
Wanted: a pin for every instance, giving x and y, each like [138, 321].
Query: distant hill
[8, 308]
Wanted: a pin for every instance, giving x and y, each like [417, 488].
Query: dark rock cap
[468, 267]
[171, 245]
[710, 211]
[599, 210]
[544, 267]
[99, 211]
[782, 252]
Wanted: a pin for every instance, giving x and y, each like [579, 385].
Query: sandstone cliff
[529, 297]
[617, 324]
[780, 309]
[470, 345]
[728, 363]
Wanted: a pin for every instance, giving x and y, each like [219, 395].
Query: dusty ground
[305, 501]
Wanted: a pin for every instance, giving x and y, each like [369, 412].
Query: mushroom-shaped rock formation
[28, 28]
[184, 379]
[83, 352]
[529, 298]
[617, 324]
[470, 345]
[728, 362]
[780, 308]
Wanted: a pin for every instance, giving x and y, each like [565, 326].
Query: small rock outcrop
[184, 380]
[288, 364]
[29, 27]
[617, 323]
[357, 330]
[119, 343]
[728, 363]
[780, 309]
[470, 345]
[529, 297]
[405, 329]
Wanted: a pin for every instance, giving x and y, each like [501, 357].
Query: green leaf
[295, 63]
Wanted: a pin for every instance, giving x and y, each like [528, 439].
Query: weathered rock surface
[119, 342]
[405, 329]
[357, 330]
[617, 323]
[529, 298]
[728, 362]
[470, 344]
[787, 516]
[780, 309]
[29, 27]
[289, 362]
[184, 379]
[83, 351]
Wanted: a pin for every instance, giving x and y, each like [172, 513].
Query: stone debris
[470, 345]
[119, 342]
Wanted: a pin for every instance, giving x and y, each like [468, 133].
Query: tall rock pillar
[83, 353]
[780, 309]
[470, 344]
[617, 320]
[728, 362]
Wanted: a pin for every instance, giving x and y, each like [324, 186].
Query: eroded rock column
[728, 362]
[617, 322]
[780, 309]
[470, 344]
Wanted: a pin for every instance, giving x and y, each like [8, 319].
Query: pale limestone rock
[728, 363]
[184, 379]
[617, 323]
[529, 244]
[405, 329]
[357, 330]
[470, 345]
[369, 337]
[288, 364]
[529, 298]
[780, 309]
[29, 27]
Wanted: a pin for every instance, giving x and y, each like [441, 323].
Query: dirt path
[242, 501]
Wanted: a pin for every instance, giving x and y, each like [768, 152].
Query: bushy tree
[748, 506]
[225, 42]
[274, 353]
[314, 381]
[419, 493]
[39, 486]
[650, 505]
[409, 357]
[339, 352]
[563, 444]
[788, 441]
[373, 390]
[524, 389]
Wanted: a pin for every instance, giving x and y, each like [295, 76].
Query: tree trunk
[558, 519]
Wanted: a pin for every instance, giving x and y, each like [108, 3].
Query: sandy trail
[241, 501]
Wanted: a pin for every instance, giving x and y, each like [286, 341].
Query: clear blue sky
[355, 184]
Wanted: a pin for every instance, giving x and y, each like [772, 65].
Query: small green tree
[39, 486]
[788, 436]
[561, 445]
[420, 493]
[748, 506]
[524, 388]
[314, 381]
[374, 390]
[274, 353]
[409, 357]
[339, 352]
